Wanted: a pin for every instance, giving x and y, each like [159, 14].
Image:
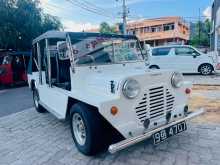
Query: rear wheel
[206, 69]
[36, 100]
[86, 129]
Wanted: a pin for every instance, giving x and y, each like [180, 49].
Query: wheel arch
[156, 66]
[205, 64]
[72, 101]
[105, 122]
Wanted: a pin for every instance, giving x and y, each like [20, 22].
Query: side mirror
[194, 55]
[62, 50]
[146, 50]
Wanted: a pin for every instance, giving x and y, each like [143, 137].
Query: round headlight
[177, 80]
[131, 88]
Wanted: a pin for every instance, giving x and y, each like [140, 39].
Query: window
[168, 27]
[161, 51]
[185, 51]
[7, 60]
[97, 50]
[146, 29]
[153, 29]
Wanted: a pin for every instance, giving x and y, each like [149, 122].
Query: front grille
[155, 103]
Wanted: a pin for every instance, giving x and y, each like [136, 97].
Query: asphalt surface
[15, 100]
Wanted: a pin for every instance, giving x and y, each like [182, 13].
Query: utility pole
[124, 16]
[199, 27]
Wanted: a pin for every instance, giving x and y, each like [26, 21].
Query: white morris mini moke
[101, 84]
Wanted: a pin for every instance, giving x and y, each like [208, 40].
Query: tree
[201, 34]
[21, 21]
[106, 28]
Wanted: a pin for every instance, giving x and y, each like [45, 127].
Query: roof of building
[153, 21]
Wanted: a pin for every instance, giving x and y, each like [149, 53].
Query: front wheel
[86, 129]
[36, 100]
[206, 69]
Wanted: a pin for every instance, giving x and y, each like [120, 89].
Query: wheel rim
[79, 129]
[206, 69]
[36, 99]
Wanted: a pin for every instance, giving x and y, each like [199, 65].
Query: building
[215, 35]
[160, 31]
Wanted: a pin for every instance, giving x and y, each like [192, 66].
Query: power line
[95, 6]
[89, 8]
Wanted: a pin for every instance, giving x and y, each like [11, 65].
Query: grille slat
[139, 111]
[154, 109]
[143, 106]
[156, 98]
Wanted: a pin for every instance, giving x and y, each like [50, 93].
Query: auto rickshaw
[13, 68]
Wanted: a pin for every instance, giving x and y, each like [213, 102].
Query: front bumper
[131, 141]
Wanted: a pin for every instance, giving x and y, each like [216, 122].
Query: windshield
[5, 60]
[106, 50]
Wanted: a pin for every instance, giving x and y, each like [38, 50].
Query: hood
[108, 79]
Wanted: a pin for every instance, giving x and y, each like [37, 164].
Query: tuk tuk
[13, 68]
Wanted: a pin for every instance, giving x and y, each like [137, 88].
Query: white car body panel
[182, 63]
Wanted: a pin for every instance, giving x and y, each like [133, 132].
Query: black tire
[36, 100]
[206, 69]
[154, 67]
[94, 141]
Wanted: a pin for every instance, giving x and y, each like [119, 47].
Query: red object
[7, 77]
[188, 91]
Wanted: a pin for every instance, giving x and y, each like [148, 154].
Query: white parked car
[100, 83]
[183, 58]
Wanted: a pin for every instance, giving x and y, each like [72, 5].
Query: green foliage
[201, 35]
[106, 28]
[21, 21]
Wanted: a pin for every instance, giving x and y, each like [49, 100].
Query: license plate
[164, 134]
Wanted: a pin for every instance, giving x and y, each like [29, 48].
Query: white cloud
[207, 12]
[78, 26]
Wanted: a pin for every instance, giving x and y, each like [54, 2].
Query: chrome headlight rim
[133, 84]
[177, 80]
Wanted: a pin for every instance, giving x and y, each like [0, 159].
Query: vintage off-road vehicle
[100, 82]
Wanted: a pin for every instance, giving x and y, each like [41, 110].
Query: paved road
[15, 100]
[40, 139]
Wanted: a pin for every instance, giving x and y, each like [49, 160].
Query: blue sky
[76, 19]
